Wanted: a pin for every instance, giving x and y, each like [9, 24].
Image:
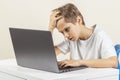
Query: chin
[74, 39]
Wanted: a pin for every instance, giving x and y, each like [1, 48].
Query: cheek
[76, 34]
[73, 33]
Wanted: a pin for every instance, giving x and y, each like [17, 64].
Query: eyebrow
[64, 29]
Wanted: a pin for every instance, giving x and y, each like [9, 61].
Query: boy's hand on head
[55, 16]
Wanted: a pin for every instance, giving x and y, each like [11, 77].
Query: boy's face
[69, 30]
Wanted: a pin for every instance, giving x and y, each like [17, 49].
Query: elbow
[114, 63]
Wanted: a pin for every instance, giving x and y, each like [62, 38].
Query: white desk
[10, 71]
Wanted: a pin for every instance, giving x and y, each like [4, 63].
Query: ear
[79, 20]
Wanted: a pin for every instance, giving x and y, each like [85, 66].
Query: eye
[61, 32]
[67, 29]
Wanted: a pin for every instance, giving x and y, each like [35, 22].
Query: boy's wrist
[51, 29]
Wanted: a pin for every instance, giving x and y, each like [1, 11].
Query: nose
[66, 34]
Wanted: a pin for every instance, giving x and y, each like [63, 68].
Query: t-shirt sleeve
[107, 47]
[64, 46]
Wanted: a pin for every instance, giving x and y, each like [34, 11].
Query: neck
[85, 33]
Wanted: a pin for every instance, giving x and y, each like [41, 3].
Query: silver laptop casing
[34, 49]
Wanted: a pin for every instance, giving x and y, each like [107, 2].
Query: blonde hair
[70, 13]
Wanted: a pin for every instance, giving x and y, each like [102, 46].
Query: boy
[89, 47]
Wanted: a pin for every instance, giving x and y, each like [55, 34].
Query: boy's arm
[57, 50]
[110, 62]
[53, 25]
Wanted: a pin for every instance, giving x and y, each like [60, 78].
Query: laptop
[34, 49]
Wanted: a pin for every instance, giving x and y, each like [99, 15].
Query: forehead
[61, 24]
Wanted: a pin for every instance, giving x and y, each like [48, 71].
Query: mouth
[70, 38]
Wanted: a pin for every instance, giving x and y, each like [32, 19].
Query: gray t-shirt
[97, 46]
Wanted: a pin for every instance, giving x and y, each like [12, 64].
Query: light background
[34, 14]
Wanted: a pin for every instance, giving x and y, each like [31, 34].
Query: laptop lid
[34, 49]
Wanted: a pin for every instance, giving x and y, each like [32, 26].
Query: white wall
[34, 14]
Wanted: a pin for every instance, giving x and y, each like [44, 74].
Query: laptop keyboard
[66, 70]
[70, 69]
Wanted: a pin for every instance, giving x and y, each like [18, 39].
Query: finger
[57, 19]
[60, 64]
[55, 13]
[65, 65]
